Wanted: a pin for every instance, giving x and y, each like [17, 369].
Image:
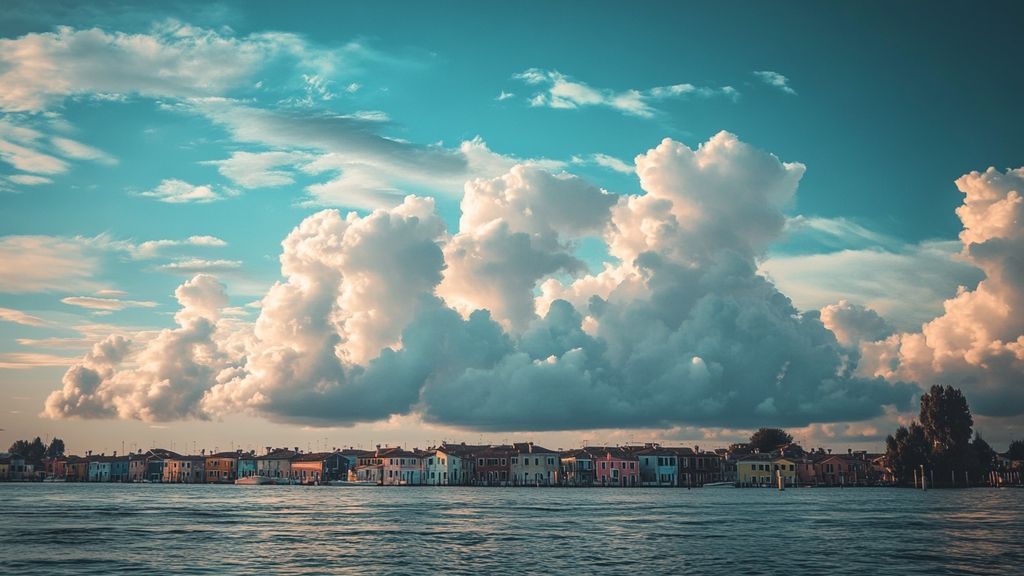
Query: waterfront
[147, 528]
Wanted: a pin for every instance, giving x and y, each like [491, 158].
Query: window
[632, 465]
[551, 461]
[504, 462]
[516, 461]
[603, 465]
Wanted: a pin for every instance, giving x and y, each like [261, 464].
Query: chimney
[115, 453]
[297, 450]
[849, 451]
[269, 449]
[696, 449]
[829, 450]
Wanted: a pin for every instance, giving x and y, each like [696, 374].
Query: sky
[243, 224]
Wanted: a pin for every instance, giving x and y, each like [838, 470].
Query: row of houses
[517, 464]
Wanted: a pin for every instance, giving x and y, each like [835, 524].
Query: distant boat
[351, 483]
[285, 481]
[253, 481]
[54, 479]
[720, 485]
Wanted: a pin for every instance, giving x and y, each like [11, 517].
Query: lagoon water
[152, 528]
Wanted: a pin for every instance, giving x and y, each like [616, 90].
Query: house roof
[531, 448]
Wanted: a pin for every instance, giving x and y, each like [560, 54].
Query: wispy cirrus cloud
[42, 263]
[562, 91]
[107, 304]
[19, 317]
[198, 265]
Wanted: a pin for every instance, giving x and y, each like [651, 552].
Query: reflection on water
[106, 528]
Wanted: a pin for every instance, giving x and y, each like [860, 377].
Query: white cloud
[906, 285]
[261, 169]
[46, 263]
[562, 91]
[108, 304]
[19, 317]
[154, 248]
[40, 69]
[196, 265]
[977, 342]
[775, 79]
[679, 331]
[29, 179]
[27, 360]
[79, 151]
[174, 191]
[606, 161]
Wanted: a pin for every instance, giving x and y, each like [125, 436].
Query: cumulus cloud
[977, 343]
[776, 80]
[562, 91]
[499, 326]
[853, 323]
[162, 379]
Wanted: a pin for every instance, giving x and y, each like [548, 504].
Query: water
[147, 528]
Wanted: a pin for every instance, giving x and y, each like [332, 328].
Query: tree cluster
[35, 450]
[940, 444]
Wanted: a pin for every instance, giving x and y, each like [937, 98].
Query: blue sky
[211, 131]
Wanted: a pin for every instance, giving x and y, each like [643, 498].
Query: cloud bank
[500, 326]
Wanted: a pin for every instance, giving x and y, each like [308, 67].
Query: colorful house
[319, 467]
[184, 469]
[401, 467]
[658, 466]
[276, 463]
[615, 467]
[99, 468]
[119, 468]
[221, 468]
[246, 465]
[532, 465]
[156, 460]
[450, 464]
[577, 468]
[493, 465]
[76, 469]
[754, 470]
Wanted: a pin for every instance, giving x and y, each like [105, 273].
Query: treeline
[940, 445]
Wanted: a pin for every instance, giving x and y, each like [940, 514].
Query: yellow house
[754, 470]
[787, 468]
[762, 470]
[5, 468]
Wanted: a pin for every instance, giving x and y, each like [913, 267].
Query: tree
[1016, 450]
[768, 439]
[983, 459]
[947, 423]
[32, 451]
[55, 449]
[906, 451]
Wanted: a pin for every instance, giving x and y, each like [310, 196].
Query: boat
[253, 481]
[285, 481]
[720, 485]
[351, 483]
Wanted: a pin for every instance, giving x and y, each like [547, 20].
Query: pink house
[615, 467]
